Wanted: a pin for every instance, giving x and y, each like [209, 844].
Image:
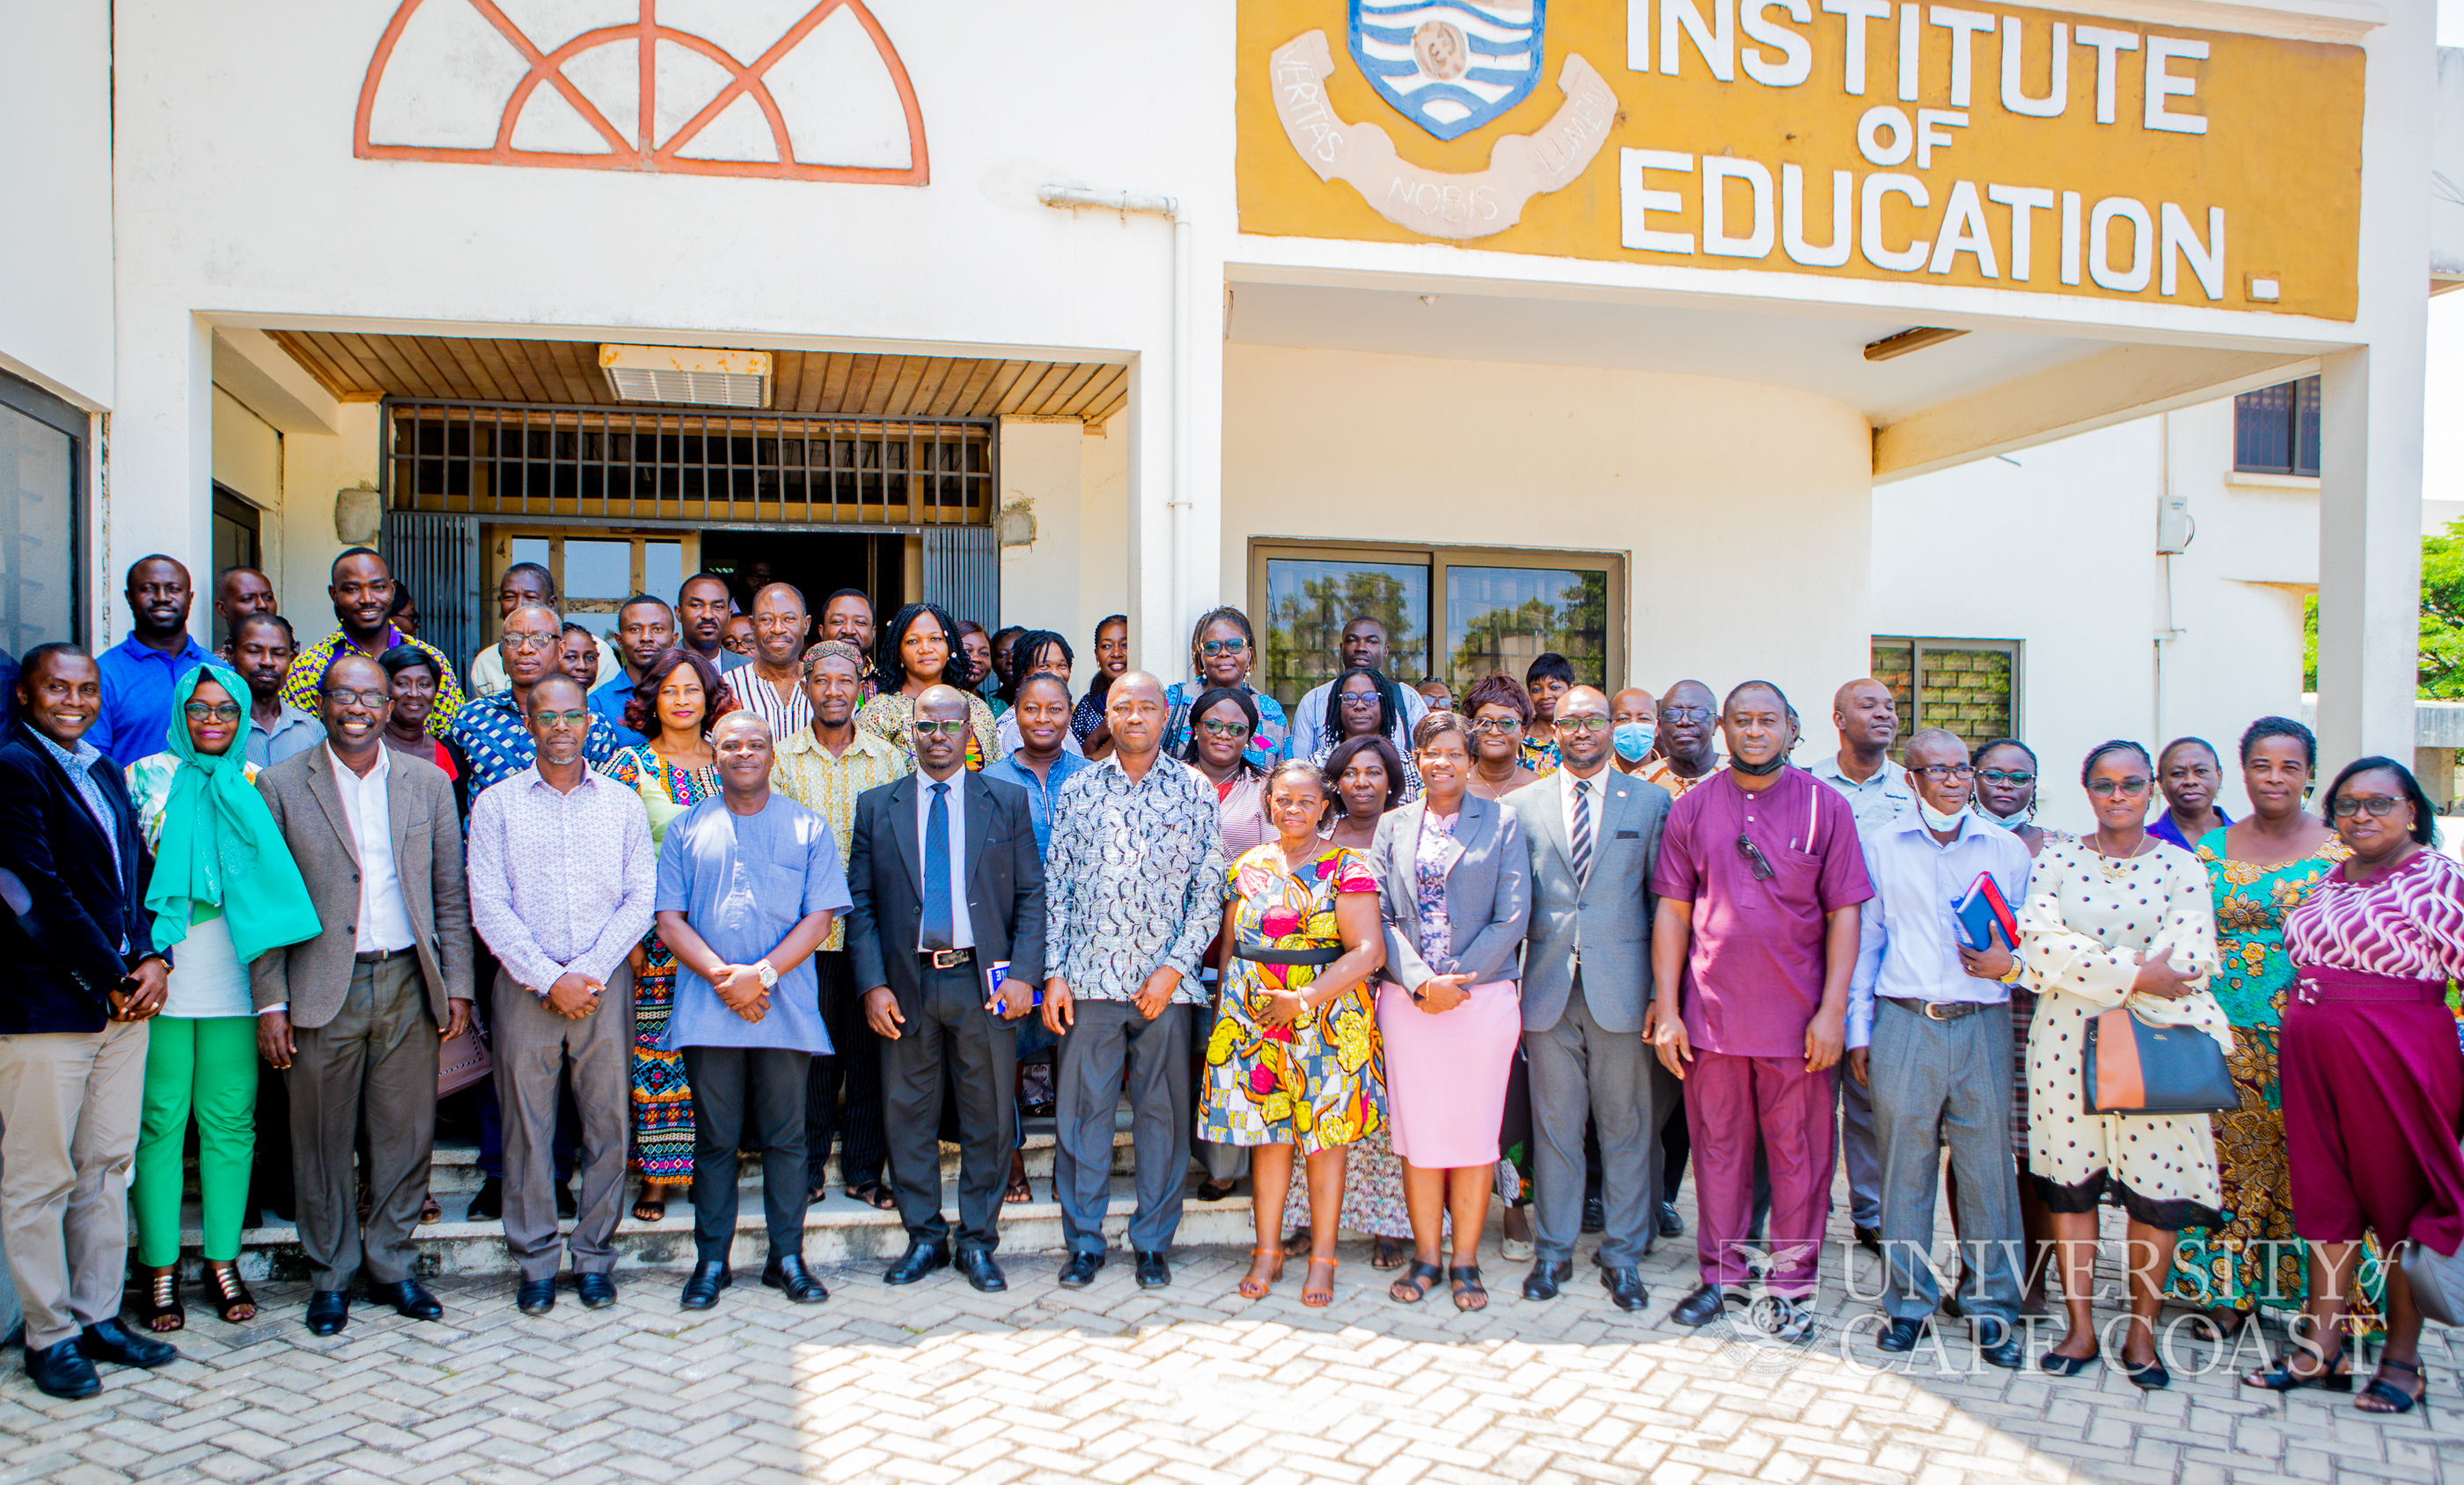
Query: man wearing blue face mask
[1634, 718]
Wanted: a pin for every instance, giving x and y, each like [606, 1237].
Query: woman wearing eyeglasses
[1362, 705]
[2259, 869]
[920, 646]
[1222, 650]
[2116, 918]
[415, 676]
[1500, 710]
[2372, 1078]
[1226, 719]
[225, 890]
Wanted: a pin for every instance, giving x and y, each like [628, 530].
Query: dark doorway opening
[818, 563]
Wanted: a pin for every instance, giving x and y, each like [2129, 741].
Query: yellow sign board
[2006, 148]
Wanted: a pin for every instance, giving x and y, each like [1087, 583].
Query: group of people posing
[1391, 952]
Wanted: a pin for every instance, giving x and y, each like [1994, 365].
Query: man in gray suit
[356, 1013]
[1595, 838]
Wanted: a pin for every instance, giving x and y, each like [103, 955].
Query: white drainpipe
[1178, 504]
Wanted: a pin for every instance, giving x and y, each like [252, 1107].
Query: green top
[2253, 971]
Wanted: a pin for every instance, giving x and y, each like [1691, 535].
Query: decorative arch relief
[779, 89]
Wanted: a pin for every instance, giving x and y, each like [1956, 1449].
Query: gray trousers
[1858, 1152]
[531, 1046]
[70, 1106]
[951, 1036]
[1109, 1035]
[377, 1057]
[1941, 1083]
[1579, 1071]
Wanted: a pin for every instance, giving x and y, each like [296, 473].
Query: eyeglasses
[1755, 861]
[349, 697]
[1212, 647]
[561, 719]
[1943, 773]
[2107, 788]
[517, 640]
[2379, 805]
[210, 711]
[1361, 698]
[1224, 729]
[2020, 779]
[1584, 725]
[1497, 724]
[946, 729]
[1687, 713]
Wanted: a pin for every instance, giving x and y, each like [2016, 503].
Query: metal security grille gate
[437, 559]
[685, 467]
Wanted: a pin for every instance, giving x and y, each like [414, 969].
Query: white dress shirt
[1909, 938]
[384, 918]
[963, 923]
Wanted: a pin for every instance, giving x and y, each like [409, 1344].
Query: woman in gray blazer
[1455, 890]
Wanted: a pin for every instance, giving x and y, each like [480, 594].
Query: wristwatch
[769, 976]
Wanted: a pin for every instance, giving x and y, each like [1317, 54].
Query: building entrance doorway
[818, 563]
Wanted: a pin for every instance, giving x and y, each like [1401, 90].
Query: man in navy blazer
[79, 977]
[948, 888]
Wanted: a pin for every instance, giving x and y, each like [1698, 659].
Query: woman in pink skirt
[1455, 889]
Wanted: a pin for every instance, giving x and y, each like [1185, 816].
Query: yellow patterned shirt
[806, 773]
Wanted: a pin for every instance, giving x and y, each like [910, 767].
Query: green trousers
[207, 1066]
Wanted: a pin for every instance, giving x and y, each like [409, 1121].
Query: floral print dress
[1320, 1082]
[2255, 1259]
[663, 1113]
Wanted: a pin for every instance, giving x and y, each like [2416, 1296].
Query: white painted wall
[56, 177]
[1743, 511]
[248, 454]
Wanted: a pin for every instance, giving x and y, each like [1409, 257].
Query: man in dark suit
[79, 977]
[947, 937]
[1595, 838]
[356, 1013]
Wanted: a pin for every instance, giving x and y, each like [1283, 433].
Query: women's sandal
[1385, 1252]
[233, 1302]
[1212, 1190]
[2150, 1377]
[1417, 1283]
[1470, 1293]
[2058, 1365]
[2282, 1377]
[2390, 1398]
[1253, 1288]
[652, 1205]
[1019, 1193]
[159, 1309]
[430, 1214]
[875, 1195]
[1316, 1296]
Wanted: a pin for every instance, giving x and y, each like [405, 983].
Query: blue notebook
[1982, 913]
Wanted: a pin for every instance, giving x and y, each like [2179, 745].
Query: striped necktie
[1582, 831]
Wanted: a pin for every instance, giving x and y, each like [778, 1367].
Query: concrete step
[837, 1230]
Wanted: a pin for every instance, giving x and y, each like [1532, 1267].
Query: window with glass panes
[1967, 686]
[2276, 429]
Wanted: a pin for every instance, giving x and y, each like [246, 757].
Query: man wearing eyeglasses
[1688, 724]
[1364, 643]
[1587, 971]
[1925, 1021]
[355, 1016]
[494, 731]
[1760, 878]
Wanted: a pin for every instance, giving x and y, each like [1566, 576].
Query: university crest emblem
[1449, 65]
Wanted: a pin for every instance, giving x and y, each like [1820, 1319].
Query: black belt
[946, 959]
[1944, 1010]
[378, 956]
[1261, 954]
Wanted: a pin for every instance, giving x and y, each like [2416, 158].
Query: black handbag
[2130, 1067]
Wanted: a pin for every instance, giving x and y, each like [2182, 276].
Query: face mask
[1633, 740]
[1934, 819]
[1778, 760]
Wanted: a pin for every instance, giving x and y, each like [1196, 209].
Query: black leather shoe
[1546, 1278]
[408, 1299]
[62, 1371]
[1903, 1335]
[598, 1290]
[329, 1310]
[109, 1341]
[978, 1265]
[534, 1296]
[1870, 1239]
[1624, 1284]
[921, 1259]
[1596, 1214]
[489, 1203]
[1701, 1307]
[1154, 1271]
[2000, 1346]
[786, 1274]
[565, 1205]
[1081, 1269]
[701, 1290]
[1672, 1222]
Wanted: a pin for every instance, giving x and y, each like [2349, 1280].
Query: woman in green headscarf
[225, 890]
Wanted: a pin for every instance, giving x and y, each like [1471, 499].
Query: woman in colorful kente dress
[2261, 868]
[675, 705]
[1293, 1062]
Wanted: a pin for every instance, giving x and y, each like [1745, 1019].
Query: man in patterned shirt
[1135, 888]
[362, 588]
[824, 767]
[494, 732]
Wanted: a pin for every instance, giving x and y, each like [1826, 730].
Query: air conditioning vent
[683, 375]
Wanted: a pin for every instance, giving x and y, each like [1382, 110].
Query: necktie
[1582, 831]
[937, 871]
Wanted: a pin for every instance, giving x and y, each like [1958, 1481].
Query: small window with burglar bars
[1967, 686]
[2276, 429]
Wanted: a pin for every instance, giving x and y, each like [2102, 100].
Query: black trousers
[854, 1070]
[747, 1099]
[951, 1040]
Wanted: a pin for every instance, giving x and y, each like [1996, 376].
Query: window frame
[66, 418]
[1919, 644]
[2284, 426]
[1440, 557]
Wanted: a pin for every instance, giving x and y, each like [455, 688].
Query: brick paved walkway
[1190, 1384]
